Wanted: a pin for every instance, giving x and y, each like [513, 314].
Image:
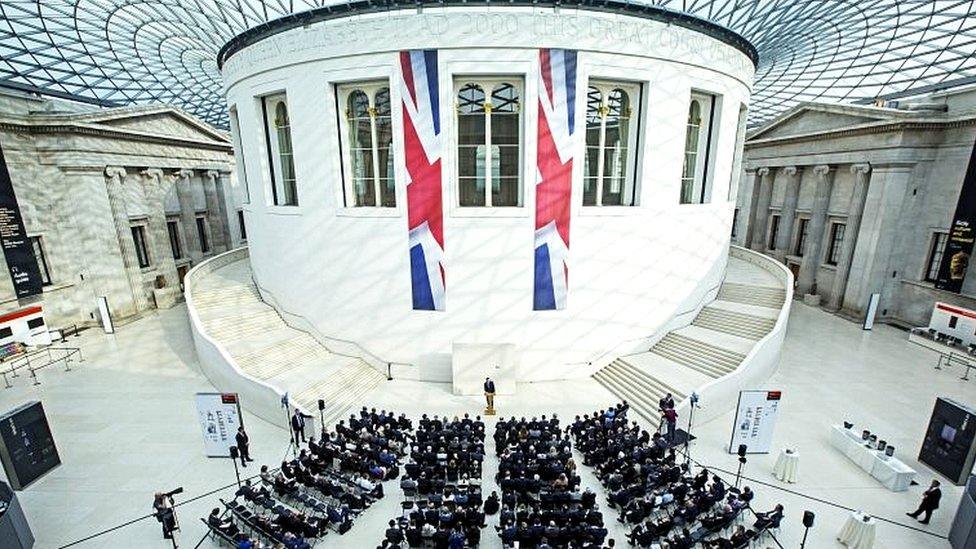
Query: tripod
[691, 415]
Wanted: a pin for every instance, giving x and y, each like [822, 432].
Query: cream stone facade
[857, 200]
[104, 192]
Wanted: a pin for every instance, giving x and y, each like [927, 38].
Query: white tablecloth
[889, 471]
[786, 466]
[856, 533]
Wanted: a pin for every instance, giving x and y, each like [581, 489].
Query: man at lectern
[490, 392]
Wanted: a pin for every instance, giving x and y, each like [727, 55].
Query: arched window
[609, 174]
[284, 189]
[489, 136]
[698, 137]
[368, 149]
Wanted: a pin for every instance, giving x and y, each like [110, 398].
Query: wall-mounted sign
[17, 249]
[959, 248]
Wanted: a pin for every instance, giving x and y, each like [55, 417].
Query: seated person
[491, 504]
[769, 519]
[393, 534]
[226, 527]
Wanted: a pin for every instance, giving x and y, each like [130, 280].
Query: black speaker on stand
[808, 517]
[742, 461]
[321, 415]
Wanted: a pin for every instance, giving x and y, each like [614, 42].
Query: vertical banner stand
[106, 315]
[872, 311]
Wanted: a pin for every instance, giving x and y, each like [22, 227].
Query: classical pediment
[163, 123]
[812, 118]
[149, 121]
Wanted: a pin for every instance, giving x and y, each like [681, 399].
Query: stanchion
[234, 454]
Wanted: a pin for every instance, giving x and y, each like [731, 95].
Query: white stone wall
[346, 272]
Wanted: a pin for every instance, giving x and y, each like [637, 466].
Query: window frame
[802, 233]
[700, 192]
[487, 82]
[235, 134]
[175, 244]
[37, 244]
[772, 232]
[940, 236]
[242, 227]
[631, 179]
[203, 231]
[279, 197]
[834, 246]
[143, 258]
[370, 87]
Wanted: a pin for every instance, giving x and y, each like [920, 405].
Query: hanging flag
[422, 155]
[553, 191]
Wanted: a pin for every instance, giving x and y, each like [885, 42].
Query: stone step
[763, 296]
[734, 323]
[707, 359]
[652, 383]
[637, 401]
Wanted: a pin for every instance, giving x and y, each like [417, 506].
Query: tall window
[489, 142]
[142, 251]
[735, 221]
[202, 232]
[277, 123]
[698, 138]
[773, 232]
[41, 259]
[801, 238]
[240, 223]
[173, 227]
[367, 144]
[611, 143]
[836, 243]
[936, 249]
[235, 134]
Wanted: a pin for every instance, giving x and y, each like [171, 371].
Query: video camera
[174, 492]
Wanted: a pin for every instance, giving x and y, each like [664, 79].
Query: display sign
[959, 248]
[950, 441]
[755, 419]
[27, 448]
[220, 416]
[25, 326]
[17, 248]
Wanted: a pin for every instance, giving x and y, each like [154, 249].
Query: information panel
[959, 248]
[220, 416]
[17, 248]
[27, 448]
[950, 441]
[755, 419]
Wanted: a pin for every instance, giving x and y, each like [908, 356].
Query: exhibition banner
[220, 416]
[959, 248]
[755, 419]
[17, 249]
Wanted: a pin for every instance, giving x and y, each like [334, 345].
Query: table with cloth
[857, 532]
[888, 470]
[787, 464]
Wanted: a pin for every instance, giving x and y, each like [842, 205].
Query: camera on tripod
[174, 492]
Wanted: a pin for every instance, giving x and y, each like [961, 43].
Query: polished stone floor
[125, 426]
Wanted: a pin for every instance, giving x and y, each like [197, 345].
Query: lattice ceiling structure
[119, 52]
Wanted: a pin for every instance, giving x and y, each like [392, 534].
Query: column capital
[822, 170]
[115, 173]
[762, 172]
[154, 174]
[860, 169]
[184, 174]
[791, 171]
[212, 174]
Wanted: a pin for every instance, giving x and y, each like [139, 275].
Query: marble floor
[125, 426]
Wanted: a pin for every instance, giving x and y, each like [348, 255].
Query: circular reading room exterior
[422, 181]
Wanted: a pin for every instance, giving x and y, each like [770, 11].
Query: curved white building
[560, 180]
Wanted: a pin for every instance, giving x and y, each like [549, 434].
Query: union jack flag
[554, 160]
[423, 149]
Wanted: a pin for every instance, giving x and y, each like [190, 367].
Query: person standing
[930, 502]
[667, 401]
[490, 392]
[298, 425]
[243, 443]
[670, 418]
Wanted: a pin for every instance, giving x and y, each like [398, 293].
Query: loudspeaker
[742, 450]
[808, 517]
[321, 405]
[233, 452]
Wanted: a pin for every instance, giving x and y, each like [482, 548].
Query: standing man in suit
[298, 425]
[242, 446]
[490, 392]
[930, 502]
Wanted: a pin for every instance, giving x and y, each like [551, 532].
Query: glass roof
[120, 52]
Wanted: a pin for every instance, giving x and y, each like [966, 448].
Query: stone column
[870, 270]
[748, 209]
[114, 176]
[818, 221]
[854, 213]
[788, 213]
[761, 218]
[188, 215]
[153, 182]
[216, 212]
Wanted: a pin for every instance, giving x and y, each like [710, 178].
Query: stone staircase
[713, 346]
[265, 347]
